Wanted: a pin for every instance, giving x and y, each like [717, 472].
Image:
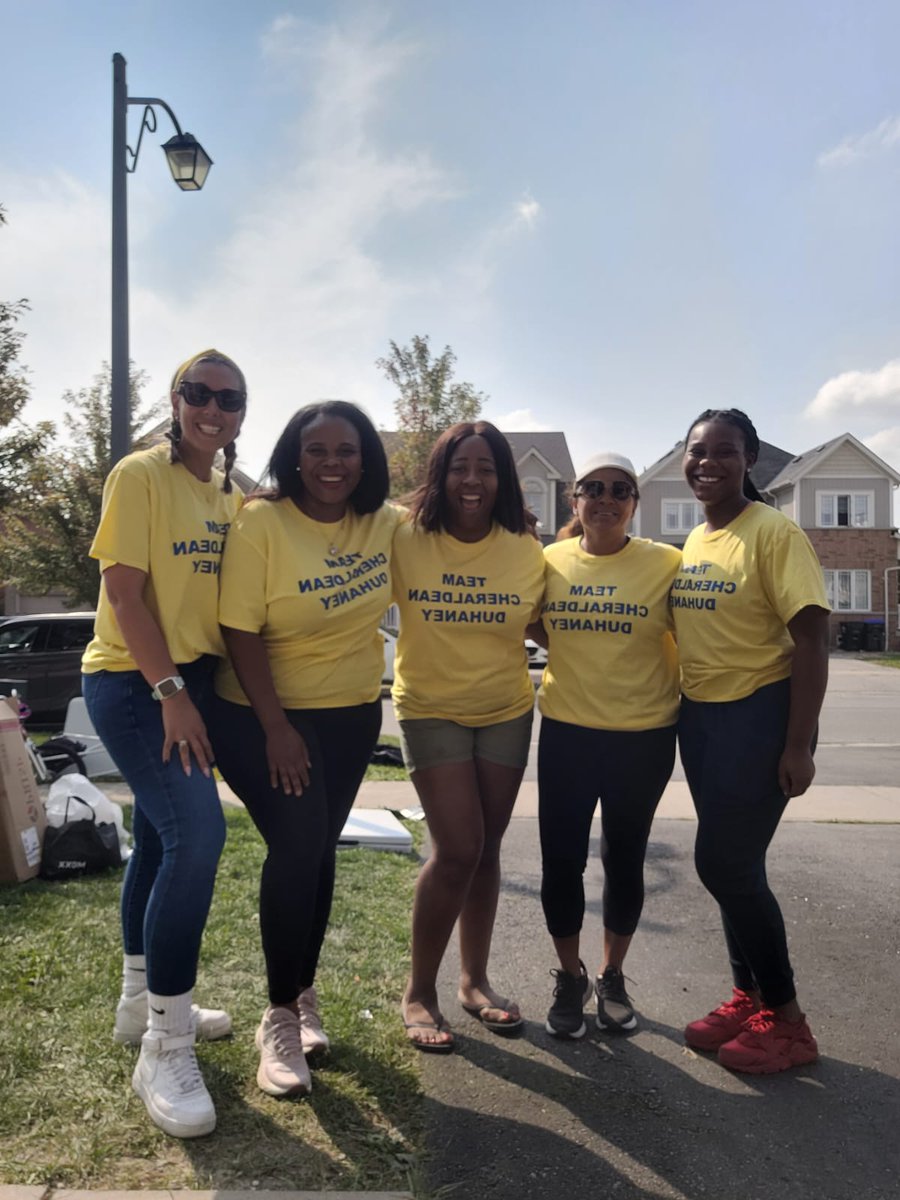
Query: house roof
[771, 462]
[551, 446]
[802, 464]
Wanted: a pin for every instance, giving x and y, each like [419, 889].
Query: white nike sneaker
[168, 1080]
[131, 1021]
[313, 1037]
[283, 1069]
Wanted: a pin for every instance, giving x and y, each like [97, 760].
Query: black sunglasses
[198, 395]
[595, 488]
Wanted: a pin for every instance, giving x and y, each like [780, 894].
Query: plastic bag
[80, 845]
[105, 811]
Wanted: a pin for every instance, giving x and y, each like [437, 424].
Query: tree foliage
[21, 445]
[45, 542]
[428, 402]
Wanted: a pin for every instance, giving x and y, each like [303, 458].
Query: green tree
[45, 545]
[428, 402]
[21, 445]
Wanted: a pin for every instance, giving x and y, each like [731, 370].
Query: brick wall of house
[861, 550]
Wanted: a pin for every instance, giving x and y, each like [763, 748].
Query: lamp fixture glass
[188, 161]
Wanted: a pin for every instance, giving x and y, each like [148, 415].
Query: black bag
[79, 847]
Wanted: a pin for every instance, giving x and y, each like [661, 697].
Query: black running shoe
[566, 1016]
[614, 1008]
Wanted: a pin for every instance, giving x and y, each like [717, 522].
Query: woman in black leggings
[752, 621]
[609, 701]
[305, 582]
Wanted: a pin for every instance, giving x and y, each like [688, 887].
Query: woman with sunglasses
[305, 582]
[609, 702]
[751, 617]
[468, 578]
[148, 685]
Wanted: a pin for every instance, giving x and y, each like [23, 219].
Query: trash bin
[874, 635]
[852, 635]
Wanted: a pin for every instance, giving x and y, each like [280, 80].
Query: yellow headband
[216, 355]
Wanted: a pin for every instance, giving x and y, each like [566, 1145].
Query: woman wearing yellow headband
[147, 684]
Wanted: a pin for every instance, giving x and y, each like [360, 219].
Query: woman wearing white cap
[609, 703]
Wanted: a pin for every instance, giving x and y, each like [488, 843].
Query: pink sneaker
[767, 1044]
[722, 1024]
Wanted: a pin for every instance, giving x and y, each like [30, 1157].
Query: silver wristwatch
[167, 688]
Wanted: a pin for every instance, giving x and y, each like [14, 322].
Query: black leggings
[301, 832]
[628, 772]
[730, 753]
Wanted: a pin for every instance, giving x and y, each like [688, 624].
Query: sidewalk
[823, 802]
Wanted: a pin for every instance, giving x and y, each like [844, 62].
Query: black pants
[730, 754]
[628, 772]
[301, 832]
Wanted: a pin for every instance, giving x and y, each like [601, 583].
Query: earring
[175, 431]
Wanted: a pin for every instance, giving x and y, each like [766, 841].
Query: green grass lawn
[888, 660]
[68, 1116]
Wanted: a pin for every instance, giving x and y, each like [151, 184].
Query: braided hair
[174, 431]
[740, 420]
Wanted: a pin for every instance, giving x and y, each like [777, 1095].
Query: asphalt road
[859, 738]
[642, 1116]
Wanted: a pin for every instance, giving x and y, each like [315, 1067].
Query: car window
[69, 635]
[14, 639]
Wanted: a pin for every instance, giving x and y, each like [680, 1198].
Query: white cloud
[520, 420]
[478, 268]
[527, 212]
[874, 393]
[886, 444]
[863, 145]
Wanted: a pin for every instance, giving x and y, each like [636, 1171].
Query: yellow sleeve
[242, 585]
[123, 535]
[791, 573]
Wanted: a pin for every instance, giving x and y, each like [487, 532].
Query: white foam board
[376, 829]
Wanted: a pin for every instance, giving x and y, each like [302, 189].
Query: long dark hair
[371, 491]
[573, 527]
[740, 420]
[428, 507]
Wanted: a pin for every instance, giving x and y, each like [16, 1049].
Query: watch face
[168, 687]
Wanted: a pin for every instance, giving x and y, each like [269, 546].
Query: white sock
[170, 1014]
[134, 974]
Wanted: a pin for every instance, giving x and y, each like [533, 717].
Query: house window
[851, 510]
[849, 591]
[535, 493]
[680, 516]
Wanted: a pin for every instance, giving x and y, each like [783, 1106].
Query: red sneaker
[722, 1024]
[767, 1045]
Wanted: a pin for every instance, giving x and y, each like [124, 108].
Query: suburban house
[841, 494]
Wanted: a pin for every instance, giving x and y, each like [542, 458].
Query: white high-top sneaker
[168, 1080]
[283, 1070]
[313, 1037]
[131, 1021]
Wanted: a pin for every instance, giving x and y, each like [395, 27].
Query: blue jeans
[178, 826]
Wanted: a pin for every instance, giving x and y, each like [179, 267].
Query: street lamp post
[189, 164]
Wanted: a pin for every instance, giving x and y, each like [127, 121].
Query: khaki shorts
[433, 742]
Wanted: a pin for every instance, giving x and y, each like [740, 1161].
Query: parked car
[537, 655]
[40, 655]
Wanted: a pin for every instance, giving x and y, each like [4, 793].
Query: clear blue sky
[616, 213]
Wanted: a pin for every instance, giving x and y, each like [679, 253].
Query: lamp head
[188, 161]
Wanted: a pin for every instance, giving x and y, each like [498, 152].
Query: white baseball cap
[606, 458]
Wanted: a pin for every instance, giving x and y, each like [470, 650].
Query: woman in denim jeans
[147, 685]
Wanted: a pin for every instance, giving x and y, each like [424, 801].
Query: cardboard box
[22, 817]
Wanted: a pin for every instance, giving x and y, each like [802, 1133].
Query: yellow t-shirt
[161, 519]
[612, 662]
[463, 611]
[737, 589]
[317, 611]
